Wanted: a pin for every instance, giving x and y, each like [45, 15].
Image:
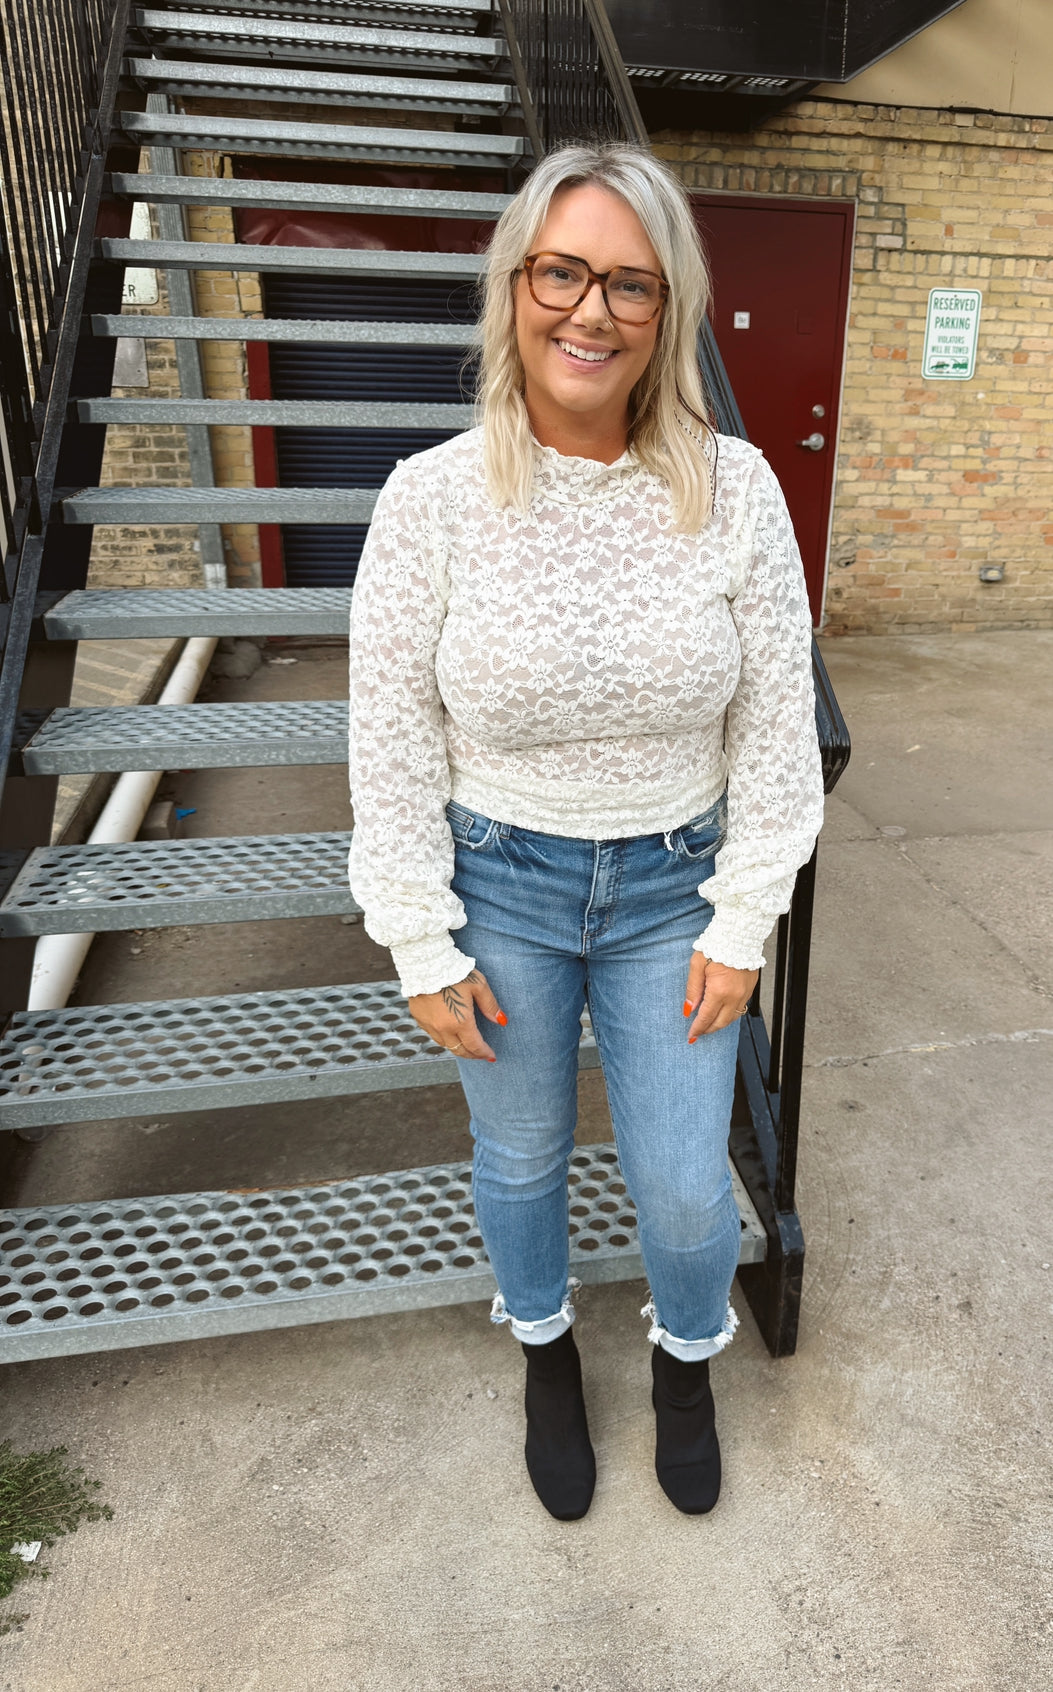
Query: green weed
[41, 1497]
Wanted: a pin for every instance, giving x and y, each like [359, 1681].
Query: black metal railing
[577, 84]
[570, 72]
[59, 69]
[766, 1132]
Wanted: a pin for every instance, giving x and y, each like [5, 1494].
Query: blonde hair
[668, 429]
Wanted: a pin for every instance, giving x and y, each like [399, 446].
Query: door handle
[815, 442]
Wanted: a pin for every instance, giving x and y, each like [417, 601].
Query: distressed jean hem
[689, 1351]
[541, 1332]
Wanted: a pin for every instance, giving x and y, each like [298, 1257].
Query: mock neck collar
[579, 481]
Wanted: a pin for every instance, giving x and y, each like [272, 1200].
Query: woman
[584, 770]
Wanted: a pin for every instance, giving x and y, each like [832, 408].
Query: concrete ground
[343, 1507]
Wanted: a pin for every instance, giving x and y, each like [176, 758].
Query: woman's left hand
[718, 993]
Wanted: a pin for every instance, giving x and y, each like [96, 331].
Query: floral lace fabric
[580, 669]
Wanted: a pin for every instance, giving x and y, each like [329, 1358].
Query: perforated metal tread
[305, 87]
[288, 414]
[287, 329]
[219, 505]
[307, 196]
[121, 613]
[82, 741]
[248, 37]
[100, 1276]
[157, 883]
[334, 16]
[94, 1062]
[330, 261]
[236, 134]
[435, 14]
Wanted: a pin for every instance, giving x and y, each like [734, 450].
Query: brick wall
[934, 478]
[134, 556]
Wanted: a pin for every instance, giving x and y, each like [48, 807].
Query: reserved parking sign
[950, 334]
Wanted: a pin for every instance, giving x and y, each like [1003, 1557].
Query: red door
[780, 297]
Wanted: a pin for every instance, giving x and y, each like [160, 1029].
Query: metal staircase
[87, 1277]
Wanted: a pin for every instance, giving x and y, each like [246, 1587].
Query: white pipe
[58, 958]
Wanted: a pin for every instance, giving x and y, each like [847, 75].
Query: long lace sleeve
[775, 782]
[401, 860]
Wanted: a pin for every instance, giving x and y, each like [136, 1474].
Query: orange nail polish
[688, 1007]
[502, 1019]
[691, 1039]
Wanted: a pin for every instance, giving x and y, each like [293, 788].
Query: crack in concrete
[1019, 1037]
[1033, 978]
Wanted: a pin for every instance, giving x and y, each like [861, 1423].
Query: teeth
[580, 352]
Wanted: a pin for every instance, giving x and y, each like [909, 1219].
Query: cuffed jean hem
[689, 1351]
[537, 1333]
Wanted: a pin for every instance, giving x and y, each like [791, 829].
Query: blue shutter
[327, 556]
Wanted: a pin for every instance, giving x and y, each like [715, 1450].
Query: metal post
[792, 1068]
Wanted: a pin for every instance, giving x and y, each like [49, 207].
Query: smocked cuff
[730, 940]
[428, 965]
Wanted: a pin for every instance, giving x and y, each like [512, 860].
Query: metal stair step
[158, 883]
[98, 1276]
[294, 83]
[309, 330]
[233, 134]
[252, 36]
[437, 14]
[141, 613]
[84, 740]
[330, 261]
[216, 505]
[288, 414]
[95, 1062]
[307, 196]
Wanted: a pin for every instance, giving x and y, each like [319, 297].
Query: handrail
[576, 84]
[621, 89]
[61, 62]
[519, 75]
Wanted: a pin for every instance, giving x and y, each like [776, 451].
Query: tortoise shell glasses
[560, 281]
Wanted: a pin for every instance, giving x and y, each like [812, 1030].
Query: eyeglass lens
[631, 294]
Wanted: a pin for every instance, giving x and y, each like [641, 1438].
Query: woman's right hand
[448, 1017]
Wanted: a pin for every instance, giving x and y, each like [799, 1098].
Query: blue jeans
[554, 924]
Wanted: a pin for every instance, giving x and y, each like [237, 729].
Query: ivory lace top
[580, 669]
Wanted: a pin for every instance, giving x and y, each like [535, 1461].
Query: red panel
[265, 463]
[382, 234]
[345, 229]
[785, 266]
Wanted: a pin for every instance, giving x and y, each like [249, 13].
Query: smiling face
[581, 366]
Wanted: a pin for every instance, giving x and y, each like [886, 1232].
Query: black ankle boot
[687, 1455]
[559, 1455]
